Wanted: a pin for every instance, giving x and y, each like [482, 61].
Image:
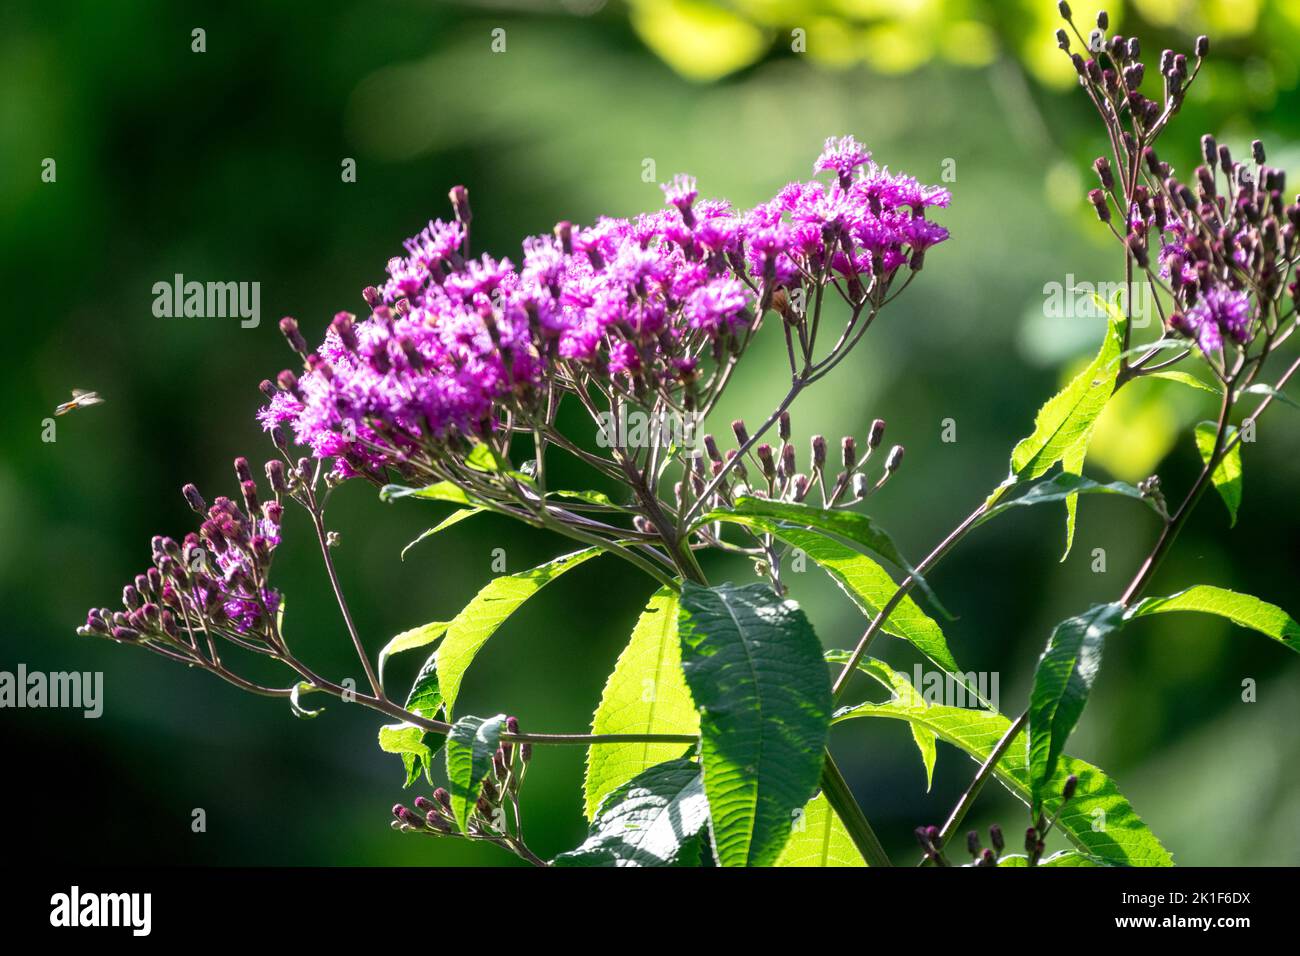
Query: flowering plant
[710, 742]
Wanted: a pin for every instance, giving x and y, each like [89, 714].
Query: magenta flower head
[842, 155]
[455, 346]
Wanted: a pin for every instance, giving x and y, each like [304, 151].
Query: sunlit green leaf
[1242, 609]
[1097, 820]
[1227, 473]
[421, 636]
[471, 742]
[819, 838]
[655, 819]
[457, 516]
[645, 694]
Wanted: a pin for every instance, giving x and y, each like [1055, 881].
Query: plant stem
[842, 801]
[318, 520]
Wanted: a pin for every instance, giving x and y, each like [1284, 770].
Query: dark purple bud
[1257, 150]
[995, 837]
[1103, 20]
[1031, 841]
[766, 461]
[564, 236]
[343, 326]
[289, 327]
[1134, 48]
[787, 466]
[1062, 40]
[800, 487]
[459, 197]
[1138, 248]
[278, 438]
[249, 488]
[1063, 8]
[289, 382]
[818, 452]
[1098, 200]
[783, 427]
[877, 434]
[894, 460]
[275, 475]
[848, 452]
[711, 448]
[268, 388]
[973, 842]
[741, 433]
[242, 471]
[1102, 165]
[194, 499]
[1202, 45]
[443, 798]
[1071, 784]
[372, 297]
[131, 598]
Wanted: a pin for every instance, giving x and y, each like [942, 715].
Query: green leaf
[471, 742]
[1067, 417]
[408, 740]
[1061, 487]
[857, 529]
[1062, 681]
[1065, 858]
[295, 701]
[457, 516]
[1185, 378]
[1263, 388]
[645, 694]
[589, 497]
[902, 690]
[819, 838]
[655, 819]
[755, 670]
[425, 697]
[483, 458]
[1072, 467]
[409, 640]
[438, 491]
[1098, 820]
[472, 627]
[866, 583]
[1242, 609]
[1227, 473]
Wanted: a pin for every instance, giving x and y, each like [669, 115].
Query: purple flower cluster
[214, 580]
[454, 342]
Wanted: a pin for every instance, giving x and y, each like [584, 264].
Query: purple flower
[842, 155]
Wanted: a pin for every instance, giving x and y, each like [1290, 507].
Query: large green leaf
[421, 636]
[645, 694]
[1227, 473]
[819, 838]
[1242, 609]
[1063, 486]
[862, 579]
[438, 491]
[471, 742]
[1067, 418]
[1098, 820]
[857, 529]
[755, 670]
[472, 627]
[408, 740]
[655, 819]
[456, 517]
[1066, 858]
[1062, 681]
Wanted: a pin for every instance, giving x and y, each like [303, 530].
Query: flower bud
[995, 837]
[289, 327]
[372, 297]
[1071, 784]
[1102, 165]
[848, 452]
[459, 197]
[1031, 841]
[1099, 204]
[1202, 45]
[275, 475]
[711, 448]
[783, 428]
[741, 433]
[818, 452]
[267, 388]
[973, 842]
[766, 460]
[194, 499]
[1257, 150]
[894, 460]
[343, 327]
[877, 434]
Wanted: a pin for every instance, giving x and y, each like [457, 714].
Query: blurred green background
[225, 165]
